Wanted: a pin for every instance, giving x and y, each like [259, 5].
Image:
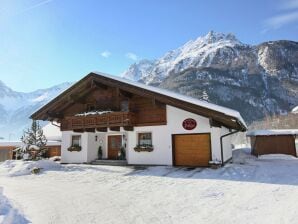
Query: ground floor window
[145, 138]
[76, 140]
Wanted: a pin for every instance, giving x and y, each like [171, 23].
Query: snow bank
[8, 214]
[20, 167]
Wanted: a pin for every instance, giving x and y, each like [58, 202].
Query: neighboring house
[53, 135]
[283, 141]
[6, 149]
[153, 126]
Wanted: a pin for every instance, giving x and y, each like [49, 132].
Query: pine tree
[34, 142]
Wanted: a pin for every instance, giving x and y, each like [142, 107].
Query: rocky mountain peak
[213, 37]
[257, 80]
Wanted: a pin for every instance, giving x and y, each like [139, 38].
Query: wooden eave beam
[103, 129]
[97, 84]
[125, 94]
[116, 128]
[54, 115]
[128, 128]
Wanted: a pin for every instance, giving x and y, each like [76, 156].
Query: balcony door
[114, 146]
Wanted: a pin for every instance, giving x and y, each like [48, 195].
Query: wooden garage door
[192, 149]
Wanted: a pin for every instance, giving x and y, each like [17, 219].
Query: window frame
[80, 140]
[145, 132]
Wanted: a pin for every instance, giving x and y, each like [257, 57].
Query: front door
[114, 146]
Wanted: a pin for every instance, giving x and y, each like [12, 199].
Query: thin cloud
[34, 6]
[289, 5]
[132, 56]
[106, 54]
[288, 14]
[279, 21]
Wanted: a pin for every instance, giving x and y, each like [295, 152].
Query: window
[76, 140]
[91, 107]
[124, 105]
[145, 138]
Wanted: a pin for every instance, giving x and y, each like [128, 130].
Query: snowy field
[250, 190]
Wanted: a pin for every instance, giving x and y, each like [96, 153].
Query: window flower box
[143, 148]
[75, 148]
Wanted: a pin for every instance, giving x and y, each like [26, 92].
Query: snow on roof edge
[211, 106]
[273, 132]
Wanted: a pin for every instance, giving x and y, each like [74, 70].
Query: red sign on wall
[189, 124]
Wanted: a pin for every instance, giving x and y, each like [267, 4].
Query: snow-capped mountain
[195, 53]
[257, 80]
[16, 107]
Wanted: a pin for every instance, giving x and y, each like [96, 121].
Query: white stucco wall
[161, 139]
[73, 157]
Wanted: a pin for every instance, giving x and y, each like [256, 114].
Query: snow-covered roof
[211, 106]
[273, 132]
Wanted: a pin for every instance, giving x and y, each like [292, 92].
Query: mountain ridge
[16, 107]
[257, 80]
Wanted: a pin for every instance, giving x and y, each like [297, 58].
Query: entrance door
[192, 149]
[114, 146]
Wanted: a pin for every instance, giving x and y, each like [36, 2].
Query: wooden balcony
[114, 119]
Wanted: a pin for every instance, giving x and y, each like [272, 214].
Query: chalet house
[149, 125]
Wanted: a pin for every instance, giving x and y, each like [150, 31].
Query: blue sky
[47, 42]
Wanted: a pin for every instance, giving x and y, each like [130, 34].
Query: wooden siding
[54, 150]
[148, 112]
[6, 153]
[273, 144]
[192, 150]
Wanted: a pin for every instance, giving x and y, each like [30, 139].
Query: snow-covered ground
[250, 190]
[8, 214]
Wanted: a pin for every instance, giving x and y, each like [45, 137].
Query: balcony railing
[113, 119]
